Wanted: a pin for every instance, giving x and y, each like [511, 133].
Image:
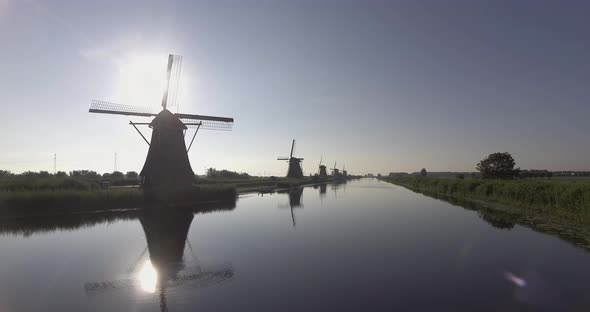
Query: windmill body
[322, 172]
[295, 170]
[167, 169]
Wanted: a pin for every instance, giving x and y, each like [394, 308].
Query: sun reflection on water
[148, 277]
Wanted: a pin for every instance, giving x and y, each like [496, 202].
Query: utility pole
[115, 163]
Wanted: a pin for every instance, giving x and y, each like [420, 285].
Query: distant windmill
[322, 173]
[335, 171]
[344, 172]
[295, 170]
[167, 168]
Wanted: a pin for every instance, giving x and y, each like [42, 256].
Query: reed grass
[19, 203]
[565, 198]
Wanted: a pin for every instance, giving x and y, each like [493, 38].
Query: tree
[117, 175]
[226, 174]
[460, 176]
[498, 166]
[5, 173]
[423, 172]
[131, 175]
[87, 174]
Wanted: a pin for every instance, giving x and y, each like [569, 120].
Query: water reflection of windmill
[323, 188]
[167, 167]
[295, 195]
[295, 170]
[337, 185]
[167, 267]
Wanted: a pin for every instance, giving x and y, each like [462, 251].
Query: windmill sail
[174, 81]
[192, 121]
[170, 97]
[103, 107]
[207, 122]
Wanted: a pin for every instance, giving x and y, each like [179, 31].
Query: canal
[364, 245]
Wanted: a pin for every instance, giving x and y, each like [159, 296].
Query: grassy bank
[505, 217]
[25, 196]
[569, 199]
[46, 202]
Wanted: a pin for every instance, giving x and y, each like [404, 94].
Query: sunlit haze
[377, 85]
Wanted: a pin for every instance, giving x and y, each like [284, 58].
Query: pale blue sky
[381, 86]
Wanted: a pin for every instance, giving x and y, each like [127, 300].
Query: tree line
[86, 174]
[495, 166]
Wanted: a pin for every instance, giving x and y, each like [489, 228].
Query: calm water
[366, 245]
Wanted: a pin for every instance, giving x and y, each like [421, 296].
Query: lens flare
[518, 281]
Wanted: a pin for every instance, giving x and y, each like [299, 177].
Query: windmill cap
[165, 119]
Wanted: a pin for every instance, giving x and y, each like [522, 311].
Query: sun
[142, 80]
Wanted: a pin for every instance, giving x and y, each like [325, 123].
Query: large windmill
[322, 173]
[344, 172]
[295, 170]
[167, 168]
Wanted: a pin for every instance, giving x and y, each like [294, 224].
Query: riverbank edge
[55, 203]
[422, 185]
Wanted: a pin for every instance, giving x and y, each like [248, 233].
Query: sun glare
[142, 80]
[148, 277]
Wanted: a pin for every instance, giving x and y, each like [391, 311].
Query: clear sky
[379, 86]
